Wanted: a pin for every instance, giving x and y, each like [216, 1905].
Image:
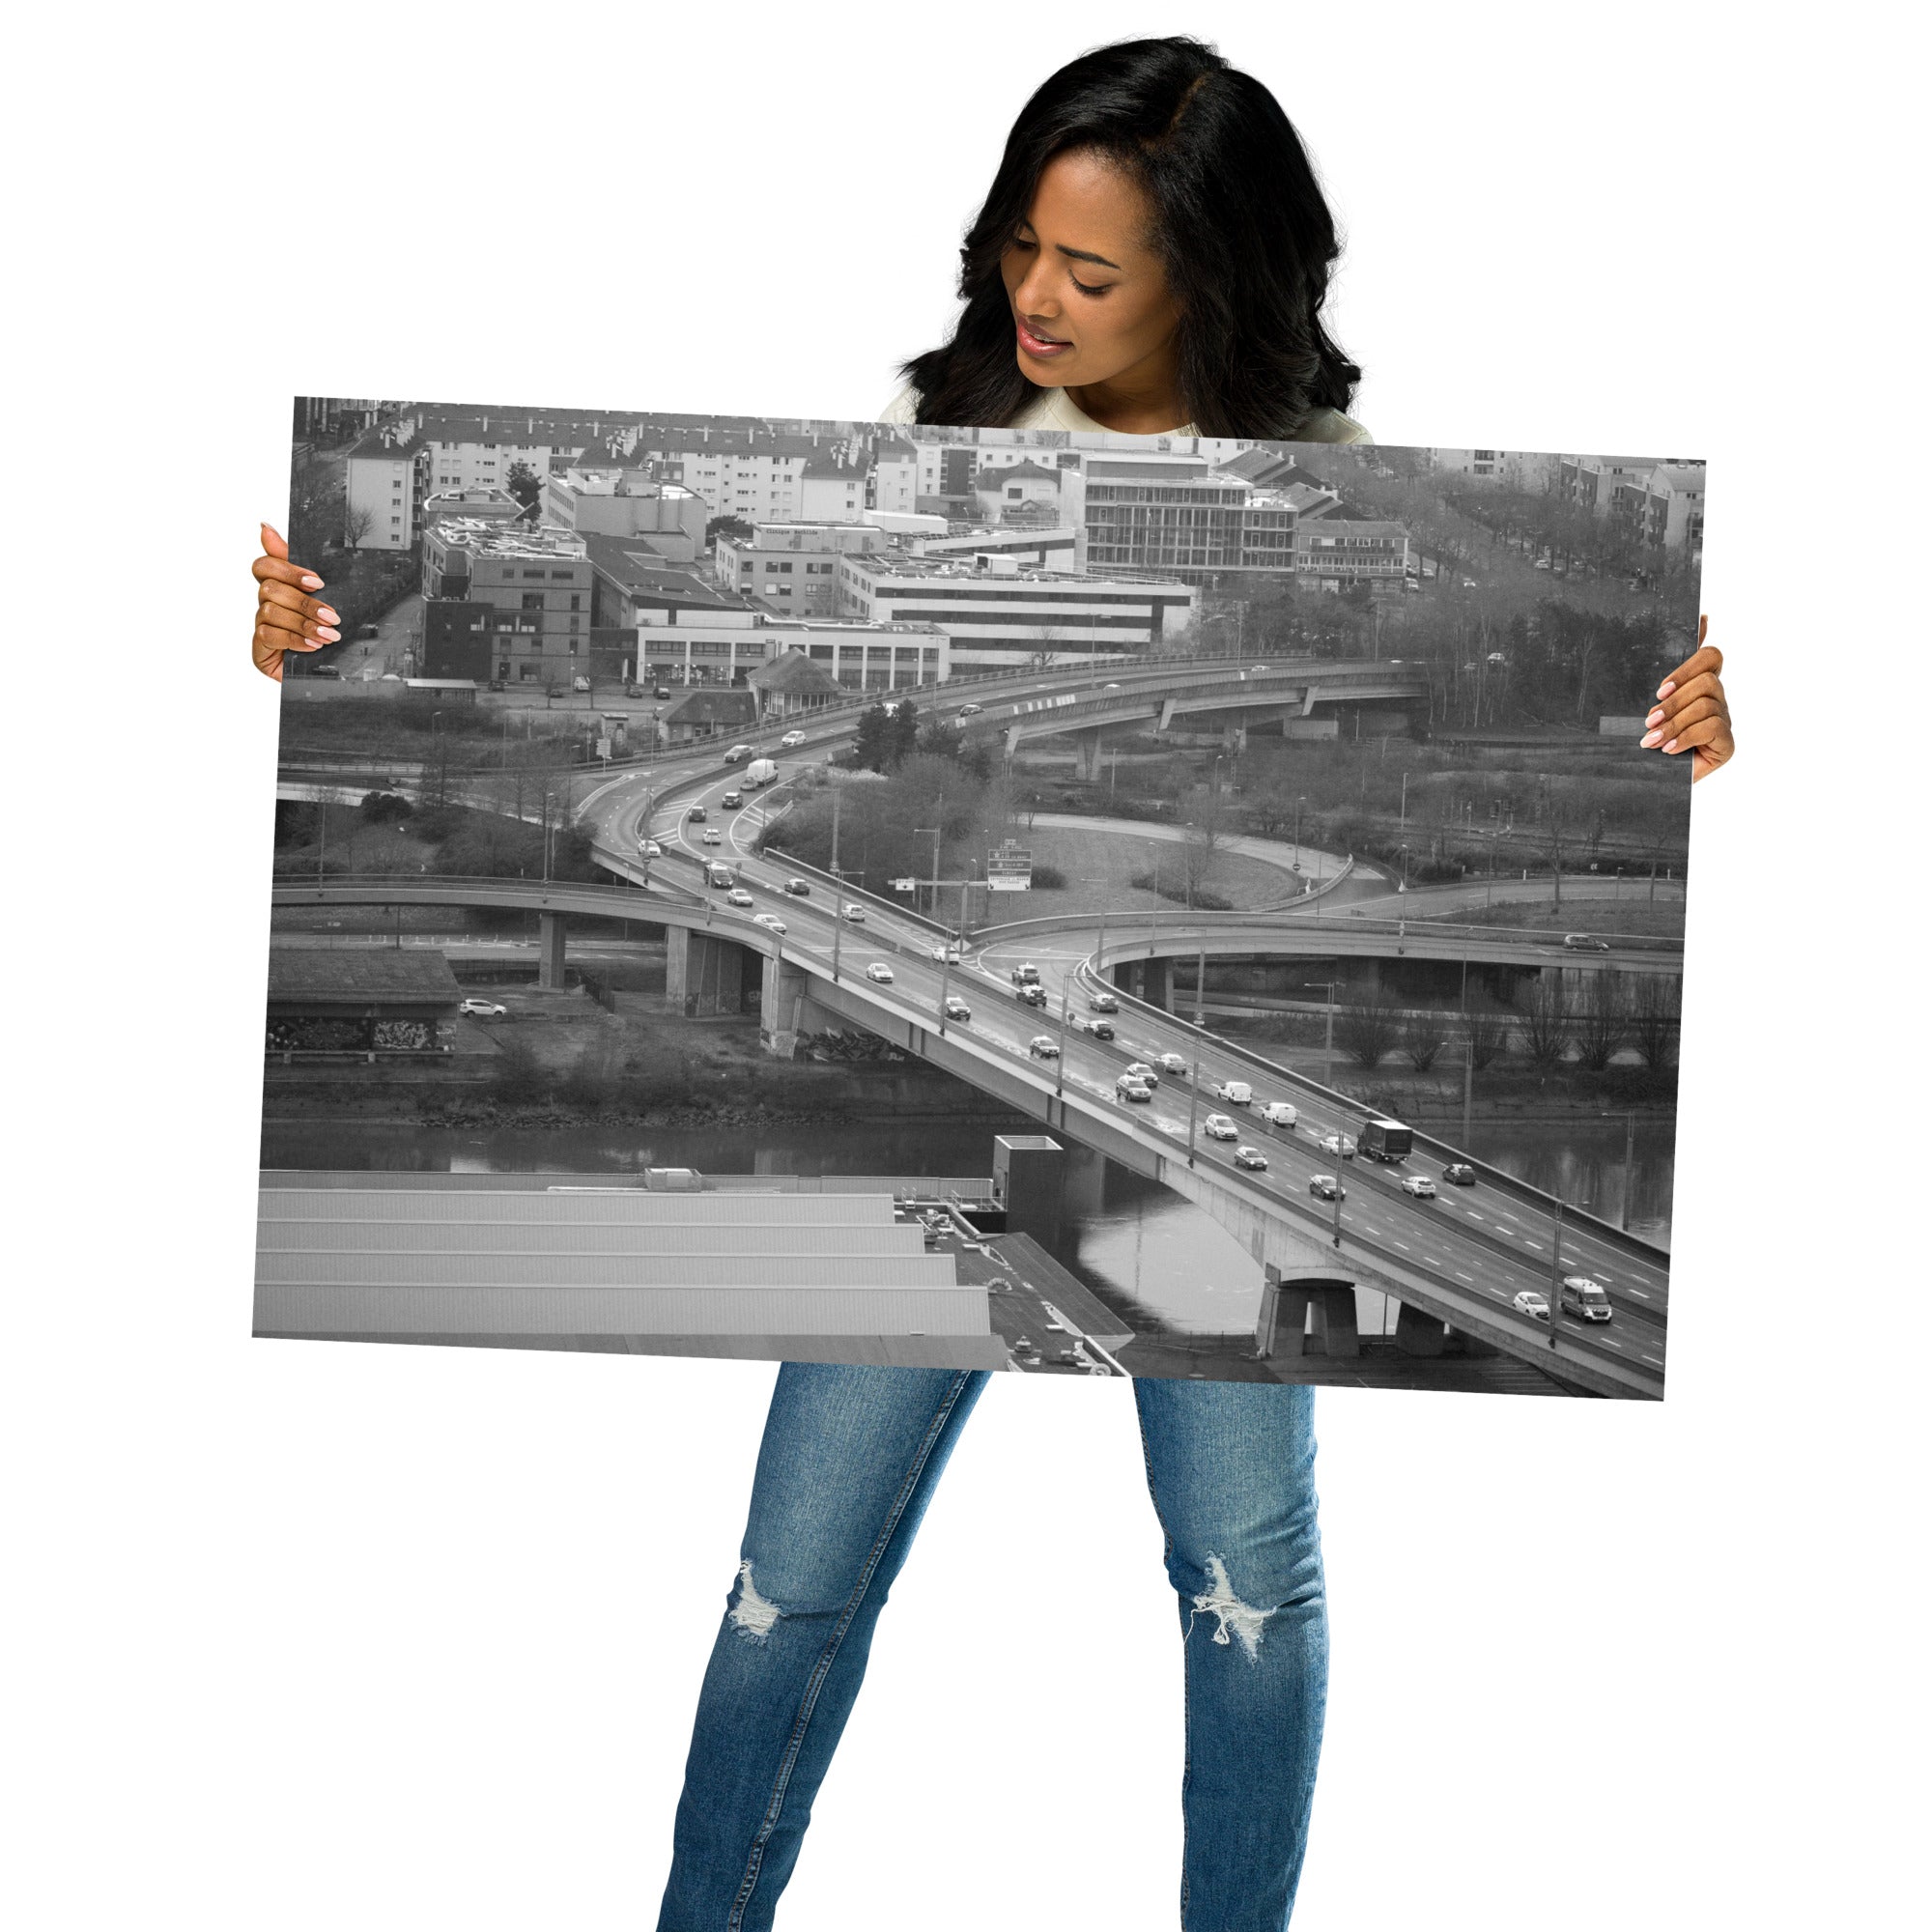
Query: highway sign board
[1010, 868]
[905, 885]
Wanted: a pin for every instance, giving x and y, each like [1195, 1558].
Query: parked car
[1141, 1071]
[1279, 1114]
[1420, 1185]
[1325, 1187]
[738, 896]
[1585, 941]
[1251, 1157]
[798, 888]
[852, 913]
[1131, 1087]
[732, 800]
[879, 971]
[1219, 1127]
[580, 684]
[1529, 1302]
[1172, 1062]
[771, 922]
[1043, 1046]
[712, 836]
[791, 741]
[482, 1010]
[661, 692]
[1586, 1300]
[1460, 1173]
[1102, 1002]
[957, 1009]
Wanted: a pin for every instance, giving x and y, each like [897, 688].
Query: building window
[575, 601]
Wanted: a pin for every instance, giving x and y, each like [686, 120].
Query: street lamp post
[1555, 1269]
[1402, 820]
[1298, 804]
[1193, 1103]
[1200, 985]
[838, 893]
[1059, 1059]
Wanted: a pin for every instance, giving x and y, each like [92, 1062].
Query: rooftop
[641, 570]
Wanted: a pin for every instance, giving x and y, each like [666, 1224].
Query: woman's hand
[285, 619]
[1692, 714]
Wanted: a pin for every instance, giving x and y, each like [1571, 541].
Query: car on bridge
[958, 1009]
[771, 922]
[1460, 1173]
[1141, 1071]
[1420, 1185]
[1325, 1187]
[649, 849]
[1131, 1087]
[798, 888]
[737, 755]
[880, 973]
[738, 896]
[1585, 941]
[1279, 1114]
[968, 710]
[1100, 1029]
[1026, 974]
[1172, 1062]
[948, 955]
[732, 800]
[698, 814]
[852, 913]
[1034, 995]
[1043, 1046]
[791, 741]
[712, 836]
[1252, 1158]
[1219, 1127]
[1529, 1302]
[1586, 1300]
[482, 1010]
[1102, 1002]
[1237, 1093]
[1342, 1146]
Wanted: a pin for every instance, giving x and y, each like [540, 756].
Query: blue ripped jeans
[849, 1461]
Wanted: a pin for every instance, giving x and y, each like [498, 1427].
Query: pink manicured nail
[327, 635]
[1652, 737]
[328, 617]
[1664, 689]
[1673, 746]
[1651, 719]
[311, 582]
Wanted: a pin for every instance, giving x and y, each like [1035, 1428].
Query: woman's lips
[1041, 346]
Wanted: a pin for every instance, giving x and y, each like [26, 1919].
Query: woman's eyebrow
[1078, 254]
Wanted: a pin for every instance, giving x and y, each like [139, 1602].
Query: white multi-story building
[999, 615]
[792, 568]
[628, 504]
[894, 477]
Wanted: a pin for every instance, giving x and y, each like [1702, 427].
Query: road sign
[1010, 868]
[905, 885]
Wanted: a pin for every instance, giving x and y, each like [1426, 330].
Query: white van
[1279, 1114]
[1237, 1093]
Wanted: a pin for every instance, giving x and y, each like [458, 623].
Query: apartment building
[1337, 553]
[1666, 508]
[628, 503]
[509, 601]
[792, 568]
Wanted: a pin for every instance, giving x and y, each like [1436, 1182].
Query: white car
[1252, 1158]
[1139, 1069]
[1533, 1304]
[1279, 1114]
[854, 915]
[791, 741]
[712, 836]
[738, 896]
[1219, 1127]
[1420, 1185]
[1584, 1298]
[1337, 1143]
[770, 921]
[1172, 1062]
[482, 1010]
[948, 955]
[649, 849]
[1043, 1046]
[878, 970]
[1102, 1002]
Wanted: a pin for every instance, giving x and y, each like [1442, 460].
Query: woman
[1152, 257]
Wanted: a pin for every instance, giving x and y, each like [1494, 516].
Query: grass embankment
[1632, 914]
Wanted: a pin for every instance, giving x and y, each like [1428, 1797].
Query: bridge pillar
[552, 929]
[1086, 752]
[1420, 1334]
[786, 1008]
[705, 975]
[1158, 983]
[1012, 740]
[1235, 735]
[1306, 1312]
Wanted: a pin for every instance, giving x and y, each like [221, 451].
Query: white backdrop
[315, 1636]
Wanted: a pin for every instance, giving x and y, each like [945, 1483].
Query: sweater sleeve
[903, 409]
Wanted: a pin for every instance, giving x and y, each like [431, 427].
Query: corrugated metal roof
[626, 1205]
[470, 1265]
[599, 1234]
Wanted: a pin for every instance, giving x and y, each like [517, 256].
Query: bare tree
[1602, 1020]
[356, 521]
[1368, 1026]
[1422, 1040]
[1654, 1021]
[1546, 1020]
[1489, 1035]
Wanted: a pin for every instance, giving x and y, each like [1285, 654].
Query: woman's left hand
[1691, 713]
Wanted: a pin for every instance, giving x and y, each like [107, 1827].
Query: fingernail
[1673, 746]
[1664, 689]
[311, 582]
[1651, 719]
[1652, 737]
[328, 617]
[327, 635]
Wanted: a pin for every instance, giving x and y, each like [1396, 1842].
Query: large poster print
[1016, 899]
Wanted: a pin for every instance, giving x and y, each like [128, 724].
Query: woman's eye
[1086, 291]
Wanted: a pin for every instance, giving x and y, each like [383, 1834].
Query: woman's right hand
[285, 618]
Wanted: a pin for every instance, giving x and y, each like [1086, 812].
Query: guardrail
[1059, 922]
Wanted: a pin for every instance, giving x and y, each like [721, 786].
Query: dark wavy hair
[1241, 227]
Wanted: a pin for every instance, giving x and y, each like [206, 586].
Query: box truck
[1385, 1140]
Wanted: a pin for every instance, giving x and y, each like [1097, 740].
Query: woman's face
[1091, 301]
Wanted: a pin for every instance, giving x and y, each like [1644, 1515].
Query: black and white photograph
[1021, 898]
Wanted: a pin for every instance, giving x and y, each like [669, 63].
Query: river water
[1144, 1249]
